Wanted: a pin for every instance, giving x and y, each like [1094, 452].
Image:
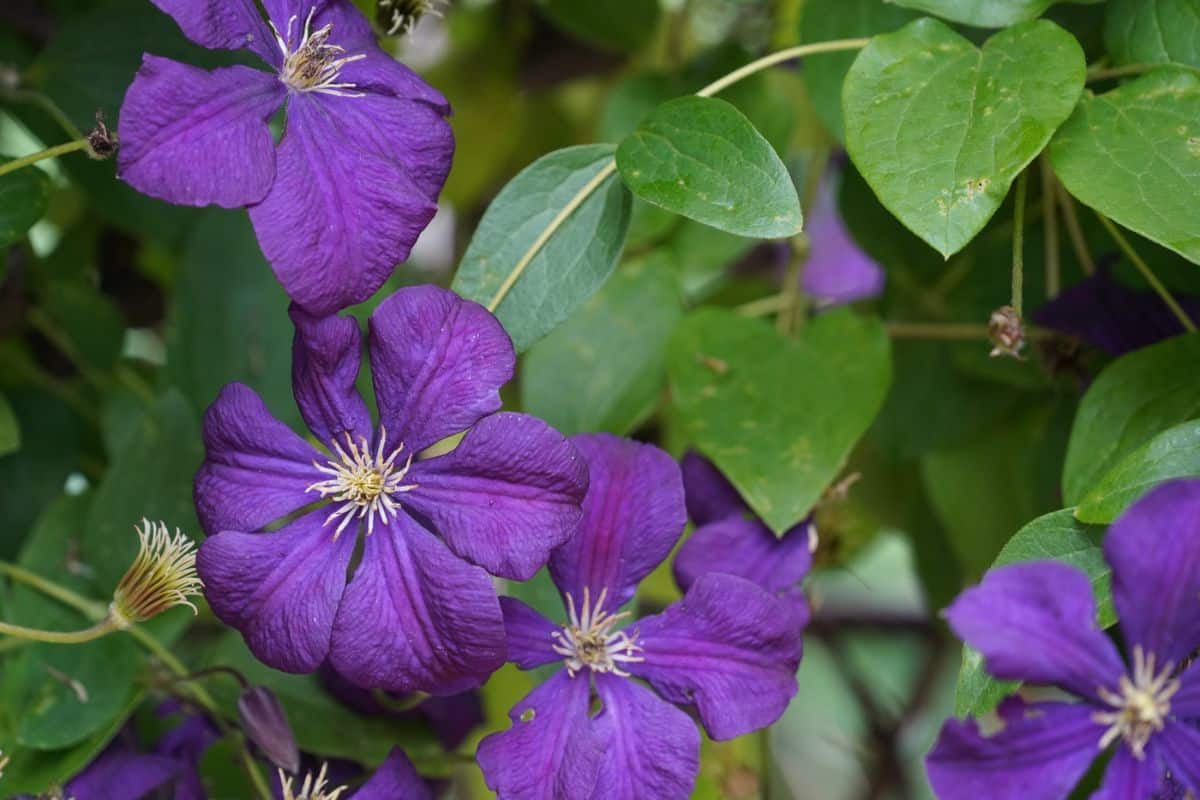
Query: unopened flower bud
[162, 576]
[102, 141]
[1006, 329]
[266, 724]
[313, 788]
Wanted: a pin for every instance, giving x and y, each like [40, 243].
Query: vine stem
[1147, 273]
[1018, 256]
[949, 331]
[1106, 73]
[1050, 223]
[101, 628]
[610, 167]
[1074, 231]
[42, 155]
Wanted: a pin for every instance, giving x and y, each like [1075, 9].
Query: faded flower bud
[1006, 329]
[265, 723]
[313, 788]
[101, 141]
[162, 576]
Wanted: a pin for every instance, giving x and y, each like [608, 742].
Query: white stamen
[362, 483]
[313, 788]
[1141, 706]
[314, 65]
[589, 641]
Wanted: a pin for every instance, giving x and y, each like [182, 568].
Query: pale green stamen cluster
[314, 65]
[1141, 704]
[590, 642]
[362, 483]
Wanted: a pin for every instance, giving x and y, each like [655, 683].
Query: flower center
[314, 65]
[1140, 706]
[362, 483]
[589, 641]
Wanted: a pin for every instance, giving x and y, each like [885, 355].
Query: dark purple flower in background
[396, 779]
[729, 538]
[1036, 622]
[836, 271]
[420, 612]
[354, 180]
[728, 648]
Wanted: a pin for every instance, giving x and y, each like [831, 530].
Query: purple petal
[552, 751]
[506, 496]
[256, 470]
[1041, 754]
[119, 773]
[438, 363]
[1186, 702]
[396, 779]
[836, 271]
[1036, 622]
[747, 548]
[632, 517]
[1179, 746]
[338, 218]
[530, 642]
[416, 617]
[280, 590]
[651, 748]
[223, 25]
[1130, 778]
[196, 138]
[326, 356]
[730, 648]
[710, 495]
[1154, 552]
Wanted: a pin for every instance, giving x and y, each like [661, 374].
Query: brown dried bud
[1006, 329]
[101, 140]
[266, 724]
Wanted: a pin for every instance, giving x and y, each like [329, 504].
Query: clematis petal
[196, 138]
[551, 752]
[326, 356]
[633, 515]
[256, 469]
[223, 25]
[710, 495]
[1041, 754]
[280, 590]
[438, 362]
[730, 648]
[1186, 702]
[396, 778]
[122, 773]
[1154, 552]
[506, 496]
[747, 548]
[415, 617]
[1179, 746]
[1036, 622]
[836, 271]
[651, 748]
[338, 218]
[1130, 778]
[529, 635]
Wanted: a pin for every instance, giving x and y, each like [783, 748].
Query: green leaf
[1174, 453]
[701, 158]
[573, 263]
[1056, 536]
[604, 369]
[85, 323]
[613, 24]
[1146, 135]
[23, 198]
[827, 20]
[779, 417]
[1135, 398]
[940, 128]
[10, 428]
[1153, 31]
[984, 13]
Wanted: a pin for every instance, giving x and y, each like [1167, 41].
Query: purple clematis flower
[1035, 622]
[729, 538]
[728, 647]
[345, 194]
[836, 271]
[396, 779]
[420, 612]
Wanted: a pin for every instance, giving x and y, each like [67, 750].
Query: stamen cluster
[314, 65]
[162, 576]
[362, 483]
[313, 788]
[590, 642]
[1141, 705]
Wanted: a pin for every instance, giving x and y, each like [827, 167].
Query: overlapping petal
[651, 748]
[1154, 552]
[194, 137]
[506, 496]
[633, 515]
[1036, 622]
[747, 548]
[1128, 777]
[415, 617]
[710, 495]
[530, 635]
[223, 25]
[1179, 746]
[729, 647]
[552, 751]
[1186, 702]
[1041, 754]
[396, 779]
[257, 469]
[280, 590]
[326, 356]
[120, 772]
[438, 362]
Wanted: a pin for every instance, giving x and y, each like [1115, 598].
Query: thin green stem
[949, 331]
[799, 51]
[102, 628]
[46, 104]
[1050, 223]
[42, 155]
[1018, 256]
[89, 608]
[766, 306]
[1147, 273]
[1075, 231]
[1108, 73]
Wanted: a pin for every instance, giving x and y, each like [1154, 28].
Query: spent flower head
[162, 576]
[314, 787]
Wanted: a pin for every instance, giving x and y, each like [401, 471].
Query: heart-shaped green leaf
[1153, 31]
[700, 157]
[1174, 453]
[779, 417]
[1133, 154]
[941, 128]
[985, 13]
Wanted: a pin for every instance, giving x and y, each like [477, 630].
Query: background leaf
[1174, 453]
[615, 24]
[23, 198]
[10, 428]
[1153, 31]
[984, 13]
